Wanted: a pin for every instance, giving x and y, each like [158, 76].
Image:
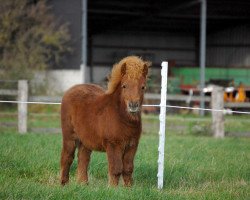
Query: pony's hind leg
[83, 162]
[67, 157]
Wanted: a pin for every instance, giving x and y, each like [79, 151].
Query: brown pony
[93, 119]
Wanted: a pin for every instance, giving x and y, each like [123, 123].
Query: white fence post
[218, 117]
[164, 74]
[22, 107]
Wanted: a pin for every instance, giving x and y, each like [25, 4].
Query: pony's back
[82, 92]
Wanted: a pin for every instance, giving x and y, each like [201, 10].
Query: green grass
[185, 124]
[195, 168]
[196, 125]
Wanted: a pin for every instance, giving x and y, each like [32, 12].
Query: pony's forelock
[135, 67]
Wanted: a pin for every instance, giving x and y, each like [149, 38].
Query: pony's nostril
[133, 104]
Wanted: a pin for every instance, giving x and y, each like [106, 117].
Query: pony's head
[130, 76]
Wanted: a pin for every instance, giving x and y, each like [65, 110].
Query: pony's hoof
[113, 184]
[64, 182]
[83, 182]
[127, 185]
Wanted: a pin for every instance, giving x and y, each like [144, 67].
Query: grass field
[195, 168]
[176, 124]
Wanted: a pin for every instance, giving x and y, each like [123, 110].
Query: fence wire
[225, 111]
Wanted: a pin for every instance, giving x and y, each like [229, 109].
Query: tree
[30, 38]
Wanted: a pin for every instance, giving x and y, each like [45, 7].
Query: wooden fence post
[217, 116]
[22, 107]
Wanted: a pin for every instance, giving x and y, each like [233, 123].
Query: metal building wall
[70, 12]
[229, 48]
[108, 48]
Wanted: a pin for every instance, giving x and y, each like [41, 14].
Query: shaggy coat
[93, 119]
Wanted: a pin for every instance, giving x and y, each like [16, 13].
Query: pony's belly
[92, 143]
[95, 147]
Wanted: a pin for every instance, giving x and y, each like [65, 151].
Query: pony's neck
[121, 108]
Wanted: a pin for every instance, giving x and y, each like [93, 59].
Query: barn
[102, 32]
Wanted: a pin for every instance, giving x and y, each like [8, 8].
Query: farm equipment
[231, 79]
[236, 94]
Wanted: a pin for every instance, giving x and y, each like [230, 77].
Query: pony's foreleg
[114, 154]
[83, 162]
[67, 158]
[128, 165]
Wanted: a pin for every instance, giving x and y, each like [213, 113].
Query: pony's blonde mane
[134, 70]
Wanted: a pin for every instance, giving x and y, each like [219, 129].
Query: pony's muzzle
[133, 107]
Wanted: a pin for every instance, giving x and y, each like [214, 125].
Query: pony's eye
[124, 86]
[143, 87]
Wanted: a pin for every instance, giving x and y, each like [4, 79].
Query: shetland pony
[93, 119]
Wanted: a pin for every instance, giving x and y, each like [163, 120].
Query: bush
[30, 39]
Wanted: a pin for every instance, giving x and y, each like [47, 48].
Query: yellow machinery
[239, 97]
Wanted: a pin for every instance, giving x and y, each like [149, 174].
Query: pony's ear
[108, 77]
[148, 63]
[123, 69]
[145, 68]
